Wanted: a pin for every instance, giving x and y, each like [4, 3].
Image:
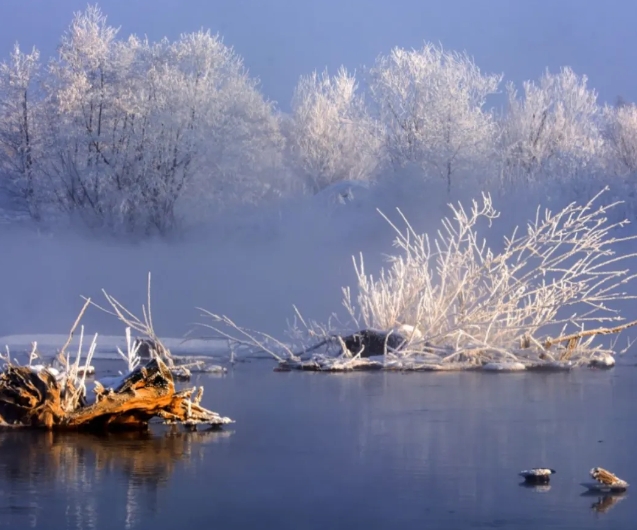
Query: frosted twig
[250, 337]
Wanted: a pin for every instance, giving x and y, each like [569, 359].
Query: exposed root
[44, 397]
[36, 399]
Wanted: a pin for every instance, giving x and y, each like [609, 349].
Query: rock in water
[537, 475]
[370, 343]
[602, 360]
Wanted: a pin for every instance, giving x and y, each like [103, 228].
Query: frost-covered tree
[331, 135]
[20, 128]
[239, 143]
[432, 104]
[620, 135]
[554, 124]
[146, 131]
[83, 98]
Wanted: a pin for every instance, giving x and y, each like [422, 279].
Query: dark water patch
[367, 450]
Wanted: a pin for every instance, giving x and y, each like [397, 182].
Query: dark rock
[145, 346]
[372, 343]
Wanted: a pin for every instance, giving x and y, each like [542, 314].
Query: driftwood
[38, 399]
[47, 398]
[605, 482]
[330, 364]
[607, 478]
[573, 339]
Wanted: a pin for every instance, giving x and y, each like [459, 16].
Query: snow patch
[504, 367]
[602, 360]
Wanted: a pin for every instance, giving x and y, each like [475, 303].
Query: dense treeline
[138, 136]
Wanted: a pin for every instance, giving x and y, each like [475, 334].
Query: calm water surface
[317, 451]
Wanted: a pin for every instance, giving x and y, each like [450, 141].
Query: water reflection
[536, 488]
[44, 474]
[370, 451]
[606, 502]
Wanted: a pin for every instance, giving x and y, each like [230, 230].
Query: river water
[367, 450]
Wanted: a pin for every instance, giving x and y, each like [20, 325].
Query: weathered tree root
[30, 398]
[38, 400]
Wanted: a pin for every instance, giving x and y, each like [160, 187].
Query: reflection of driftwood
[146, 454]
[37, 399]
[132, 466]
[606, 502]
[537, 488]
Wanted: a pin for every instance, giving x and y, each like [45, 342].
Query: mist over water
[251, 265]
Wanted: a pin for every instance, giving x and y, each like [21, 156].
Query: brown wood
[573, 338]
[37, 399]
[603, 476]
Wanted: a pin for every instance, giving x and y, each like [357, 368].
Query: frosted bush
[560, 275]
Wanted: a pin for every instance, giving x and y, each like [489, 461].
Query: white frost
[504, 367]
[602, 360]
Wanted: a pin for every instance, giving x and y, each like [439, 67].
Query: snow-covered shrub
[559, 275]
[538, 300]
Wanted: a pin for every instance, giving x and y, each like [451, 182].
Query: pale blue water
[318, 451]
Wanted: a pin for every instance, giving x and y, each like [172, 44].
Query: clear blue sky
[281, 39]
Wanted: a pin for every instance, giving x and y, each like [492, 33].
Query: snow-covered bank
[107, 345]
